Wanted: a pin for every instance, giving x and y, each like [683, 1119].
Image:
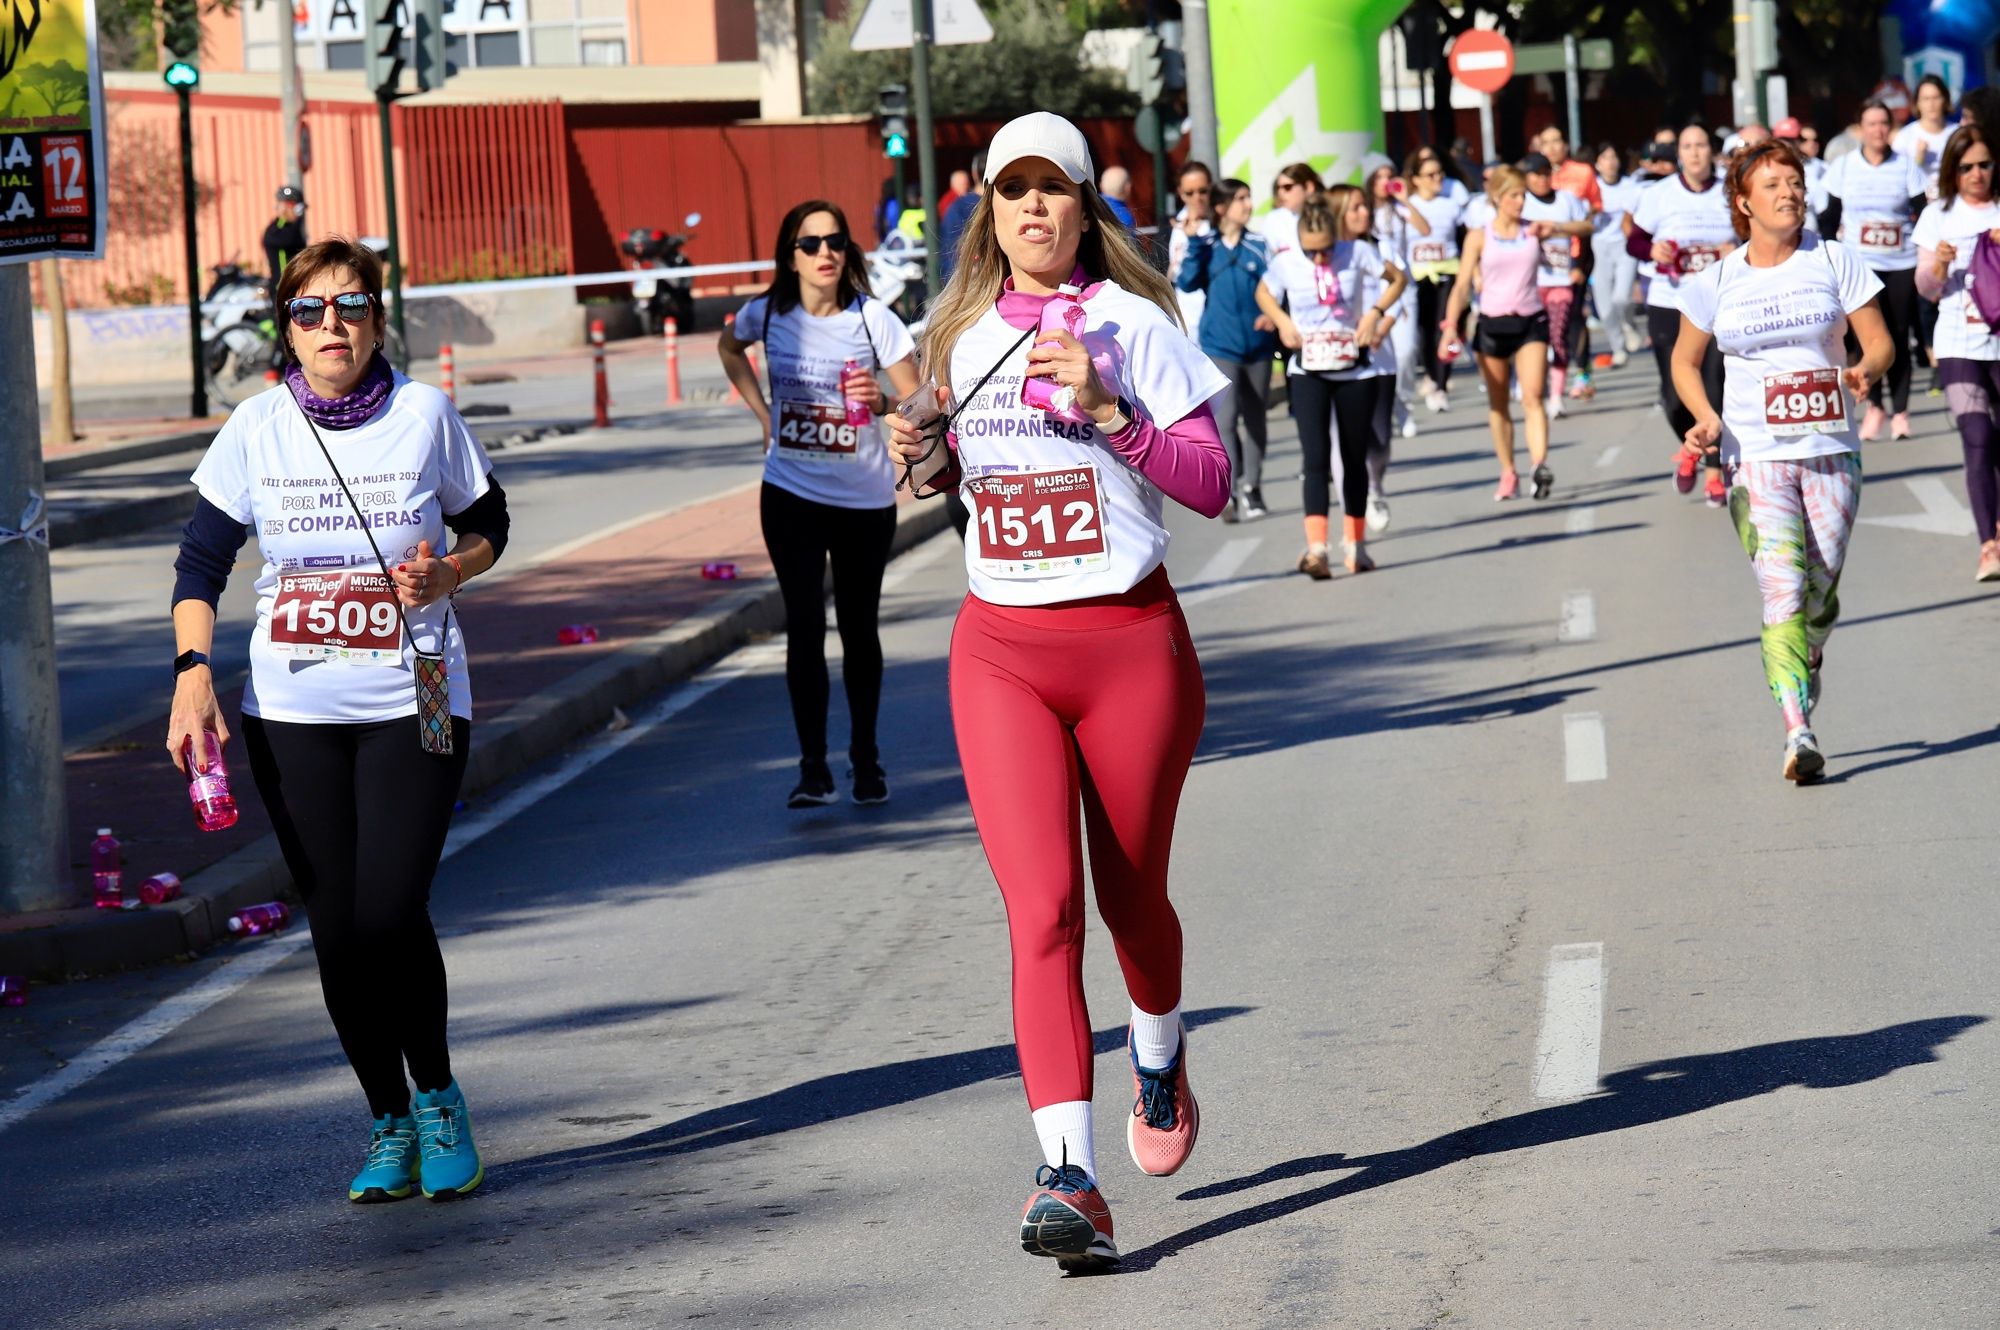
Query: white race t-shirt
[1875, 218]
[1961, 332]
[1924, 148]
[1394, 235]
[408, 466]
[1445, 213]
[1280, 229]
[1192, 303]
[1357, 268]
[1558, 257]
[814, 452]
[1698, 222]
[1057, 514]
[1780, 331]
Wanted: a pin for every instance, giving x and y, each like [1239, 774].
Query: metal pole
[1572, 71]
[383, 102]
[291, 104]
[1744, 96]
[1486, 128]
[920, 79]
[34, 857]
[198, 386]
[1204, 133]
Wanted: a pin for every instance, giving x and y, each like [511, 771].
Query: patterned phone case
[433, 703]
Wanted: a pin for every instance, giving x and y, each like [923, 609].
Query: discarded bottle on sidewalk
[858, 411]
[208, 785]
[254, 919]
[13, 990]
[160, 888]
[577, 634]
[107, 870]
[719, 572]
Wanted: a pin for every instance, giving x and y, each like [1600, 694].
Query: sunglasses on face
[809, 245]
[1197, 193]
[1986, 165]
[1286, 186]
[309, 311]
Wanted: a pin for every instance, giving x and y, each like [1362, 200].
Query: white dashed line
[1572, 1037]
[1211, 580]
[1582, 521]
[1583, 747]
[1609, 456]
[1579, 618]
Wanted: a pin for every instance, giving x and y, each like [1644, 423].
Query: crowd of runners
[1063, 389]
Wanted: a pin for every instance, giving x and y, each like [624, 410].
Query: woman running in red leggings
[1075, 690]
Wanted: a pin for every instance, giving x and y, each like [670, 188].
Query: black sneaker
[815, 787]
[1545, 480]
[1253, 507]
[871, 785]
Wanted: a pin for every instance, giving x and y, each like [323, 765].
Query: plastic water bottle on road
[858, 412]
[107, 870]
[208, 785]
[252, 920]
[160, 888]
[13, 990]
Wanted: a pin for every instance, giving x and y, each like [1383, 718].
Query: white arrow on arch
[1942, 515]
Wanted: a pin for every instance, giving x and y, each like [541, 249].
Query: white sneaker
[1618, 359]
[1556, 409]
[1409, 430]
[1804, 763]
[1378, 513]
[1436, 400]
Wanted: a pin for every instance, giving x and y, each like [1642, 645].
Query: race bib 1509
[349, 618]
[1045, 523]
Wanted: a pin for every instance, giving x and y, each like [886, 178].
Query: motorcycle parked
[657, 298]
[239, 331]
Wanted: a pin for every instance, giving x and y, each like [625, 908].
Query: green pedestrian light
[896, 145]
[181, 74]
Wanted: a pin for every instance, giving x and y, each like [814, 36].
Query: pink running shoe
[1510, 485]
[1872, 421]
[1067, 1218]
[1899, 425]
[1165, 1118]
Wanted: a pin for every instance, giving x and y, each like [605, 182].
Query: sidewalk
[658, 621]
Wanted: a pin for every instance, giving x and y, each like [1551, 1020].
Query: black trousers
[1899, 311]
[1347, 407]
[801, 535]
[1431, 299]
[361, 813]
[1664, 327]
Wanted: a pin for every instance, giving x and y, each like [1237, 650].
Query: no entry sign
[1482, 60]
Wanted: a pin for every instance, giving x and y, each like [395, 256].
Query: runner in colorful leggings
[1077, 402]
[1779, 307]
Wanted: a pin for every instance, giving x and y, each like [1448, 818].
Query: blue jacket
[1230, 274]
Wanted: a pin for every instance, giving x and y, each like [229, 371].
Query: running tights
[1664, 326]
[1343, 409]
[1242, 403]
[1794, 519]
[1972, 393]
[800, 535]
[1899, 311]
[1077, 720]
[361, 813]
[1431, 297]
[1560, 302]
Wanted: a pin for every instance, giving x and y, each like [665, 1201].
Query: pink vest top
[1507, 274]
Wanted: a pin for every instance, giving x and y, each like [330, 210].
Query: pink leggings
[1560, 302]
[1092, 705]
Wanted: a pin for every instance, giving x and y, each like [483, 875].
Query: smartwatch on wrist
[187, 660]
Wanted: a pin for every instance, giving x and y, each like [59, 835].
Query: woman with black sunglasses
[829, 490]
[350, 474]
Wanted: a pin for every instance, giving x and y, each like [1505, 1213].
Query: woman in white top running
[1780, 307]
[1434, 262]
[1968, 353]
[1923, 139]
[1293, 187]
[1399, 228]
[1615, 271]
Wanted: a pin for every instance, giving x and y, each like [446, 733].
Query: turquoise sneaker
[391, 1171]
[451, 1166]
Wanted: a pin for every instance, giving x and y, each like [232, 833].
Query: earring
[378, 344]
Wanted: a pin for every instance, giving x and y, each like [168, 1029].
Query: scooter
[657, 298]
[238, 332]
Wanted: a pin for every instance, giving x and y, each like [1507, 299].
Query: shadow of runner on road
[844, 1094]
[1916, 750]
[1635, 1097]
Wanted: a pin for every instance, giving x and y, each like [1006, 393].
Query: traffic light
[433, 68]
[180, 34]
[382, 46]
[893, 106]
[1147, 72]
[180, 74]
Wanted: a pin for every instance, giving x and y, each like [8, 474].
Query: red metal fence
[488, 191]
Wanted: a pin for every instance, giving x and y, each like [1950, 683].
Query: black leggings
[1899, 311]
[1972, 392]
[1664, 326]
[800, 535]
[1348, 408]
[361, 813]
[1431, 297]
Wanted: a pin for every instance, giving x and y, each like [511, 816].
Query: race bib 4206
[1047, 523]
[1807, 401]
[349, 618]
[815, 432]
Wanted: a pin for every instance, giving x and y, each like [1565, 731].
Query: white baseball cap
[1040, 134]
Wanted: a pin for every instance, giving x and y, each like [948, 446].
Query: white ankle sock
[1156, 1038]
[1065, 1133]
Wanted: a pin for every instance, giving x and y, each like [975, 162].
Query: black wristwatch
[187, 660]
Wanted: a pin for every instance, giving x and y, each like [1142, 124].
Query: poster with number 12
[52, 193]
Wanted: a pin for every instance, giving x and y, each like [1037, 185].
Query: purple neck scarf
[343, 412]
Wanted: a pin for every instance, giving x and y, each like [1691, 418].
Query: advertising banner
[52, 194]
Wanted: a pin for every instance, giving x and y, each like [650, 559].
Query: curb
[530, 731]
[140, 450]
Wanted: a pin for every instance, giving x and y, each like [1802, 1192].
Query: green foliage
[1034, 62]
[46, 89]
[152, 289]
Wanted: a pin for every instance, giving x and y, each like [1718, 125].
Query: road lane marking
[1583, 747]
[170, 1014]
[1942, 515]
[1582, 521]
[1211, 580]
[1572, 1037]
[1579, 618]
[1609, 455]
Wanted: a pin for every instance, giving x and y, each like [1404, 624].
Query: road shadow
[1636, 1097]
[1916, 750]
[809, 1103]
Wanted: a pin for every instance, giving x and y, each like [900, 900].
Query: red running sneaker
[1165, 1118]
[1067, 1218]
[1718, 494]
[1684, 468]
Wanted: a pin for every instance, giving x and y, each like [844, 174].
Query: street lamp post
[183, 78]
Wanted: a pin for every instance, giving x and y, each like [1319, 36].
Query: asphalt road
[1524, 991]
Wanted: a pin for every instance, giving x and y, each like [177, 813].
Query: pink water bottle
[254, 919]
[208, 785]
[858, 411]
[13, 990]
[576, 635]
[1063, 313]
[160, 888]
[107, 870]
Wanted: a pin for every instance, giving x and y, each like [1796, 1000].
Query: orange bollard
[673, 362]
[602, 392]
[729, 325]
[446, 378]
